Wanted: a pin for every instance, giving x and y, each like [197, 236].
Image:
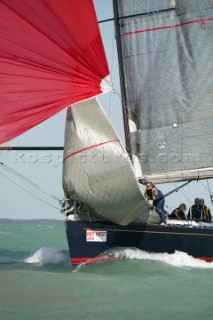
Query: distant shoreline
[29, 221]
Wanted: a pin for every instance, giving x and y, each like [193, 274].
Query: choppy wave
[177, 259]
[47, 255]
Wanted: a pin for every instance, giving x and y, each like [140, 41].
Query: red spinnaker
[51, 56]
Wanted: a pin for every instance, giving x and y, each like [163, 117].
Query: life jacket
[155, 195]
[177, 214]
[194, 212]
[206, 214]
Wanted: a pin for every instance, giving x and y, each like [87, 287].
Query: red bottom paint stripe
[100, 259]
[76, 261]
[207, 259]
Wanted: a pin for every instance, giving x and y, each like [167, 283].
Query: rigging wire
[28, 181]
[111, 68]
[211, 196]
[179, 189]
[183, 194]
[27, 191]
[206, 187]
[176, 190]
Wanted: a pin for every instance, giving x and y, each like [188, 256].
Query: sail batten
[90, 147]
[167, 62]
[203, 20]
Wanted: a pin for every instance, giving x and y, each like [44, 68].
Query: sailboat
[165, 65]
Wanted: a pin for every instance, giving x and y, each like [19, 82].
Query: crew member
[178, 213]
[195, 211]
[205, 211]
[155, 197]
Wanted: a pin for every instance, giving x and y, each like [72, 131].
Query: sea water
[37, 280]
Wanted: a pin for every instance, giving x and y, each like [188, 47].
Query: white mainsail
[166, 55]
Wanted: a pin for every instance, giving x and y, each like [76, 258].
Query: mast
[122, 79]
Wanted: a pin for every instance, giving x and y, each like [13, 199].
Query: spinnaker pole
[6, 148]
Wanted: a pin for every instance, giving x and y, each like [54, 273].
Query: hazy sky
[16, 203]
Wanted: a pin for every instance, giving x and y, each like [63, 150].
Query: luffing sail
[166, 53]
[97, 171]
[51, 56]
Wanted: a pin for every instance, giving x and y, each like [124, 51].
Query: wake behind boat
[165, 61]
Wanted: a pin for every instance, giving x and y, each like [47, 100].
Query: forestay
[97, 171]
[166, 53]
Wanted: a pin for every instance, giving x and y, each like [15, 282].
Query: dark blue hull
[87, 240]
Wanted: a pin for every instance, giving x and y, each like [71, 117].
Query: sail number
[96, 236]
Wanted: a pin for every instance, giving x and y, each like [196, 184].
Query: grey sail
[166, 54]
[97, 172]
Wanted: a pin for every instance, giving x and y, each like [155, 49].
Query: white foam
[46, 255]
[177, 259]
